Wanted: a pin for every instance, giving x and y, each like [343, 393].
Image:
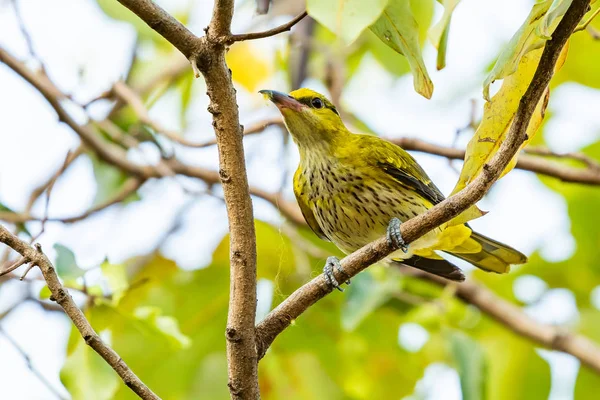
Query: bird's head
[309, 116]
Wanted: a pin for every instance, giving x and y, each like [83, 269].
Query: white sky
[89, 61]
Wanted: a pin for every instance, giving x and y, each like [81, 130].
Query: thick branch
[59, 294]
[271, 32]
[512, 317]
[241, 351]
[163, 23]
[290, 309]
[207, 56]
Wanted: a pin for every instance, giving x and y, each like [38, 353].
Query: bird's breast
[352, 206]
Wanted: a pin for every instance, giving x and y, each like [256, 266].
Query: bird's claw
[331, 264]
[394, 236]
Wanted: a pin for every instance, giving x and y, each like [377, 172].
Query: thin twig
[129, 187]
[538, 165]
[544, 151]
[271, 32]
[26, 35]
[44, 219]
[255, 128]
[299, 301]
[129, 96]
[30, 366]
[62, 297]
[594, 33]
[14, 265]
[582, 26]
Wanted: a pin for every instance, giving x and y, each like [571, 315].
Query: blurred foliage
[168, 323]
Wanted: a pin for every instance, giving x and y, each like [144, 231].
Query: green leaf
[85, 374]
[552, 18]
[45, 293]
[66, 265]
[346, 18]
[275, 258]
[109, 182]
[164, 325]
[116, 277]
[471, 364]
[21, 227]
[364, 296]
[514, 365]
[398, 28]
[185, 85]
[583, 56]
[438, 34]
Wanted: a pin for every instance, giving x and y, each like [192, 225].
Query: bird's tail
[494, 256]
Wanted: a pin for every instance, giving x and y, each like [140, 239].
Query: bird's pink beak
[282, 100]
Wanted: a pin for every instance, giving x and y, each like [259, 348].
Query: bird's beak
[282, 100]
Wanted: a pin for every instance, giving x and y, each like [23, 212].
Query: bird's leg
[394, 236]
[331, 264]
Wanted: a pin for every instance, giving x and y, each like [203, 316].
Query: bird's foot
[394, 236]
[331, 264]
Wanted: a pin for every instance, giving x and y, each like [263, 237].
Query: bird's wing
[305, 208]
[402, 167]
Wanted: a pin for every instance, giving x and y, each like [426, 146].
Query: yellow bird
[353, 188]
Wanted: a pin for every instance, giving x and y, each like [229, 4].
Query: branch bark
[165, 25]
[207, 56]
[291, 308]
[240, 334]
[61, 296]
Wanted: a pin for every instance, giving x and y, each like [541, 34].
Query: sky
[85, 52]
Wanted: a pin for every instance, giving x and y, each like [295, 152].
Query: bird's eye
[316, 103]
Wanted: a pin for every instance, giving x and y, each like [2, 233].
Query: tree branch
[165, 25]
[60, 295]
[538, 165]
[271, 32]
[513, 318]
[207, 56]
[129, 187]
[129, 96]
[291, 308]
[241, 351]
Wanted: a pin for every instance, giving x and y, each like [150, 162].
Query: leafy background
[156, 266]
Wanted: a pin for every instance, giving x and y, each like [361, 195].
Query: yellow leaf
[247, 67]
[524, 41]
[497, 118]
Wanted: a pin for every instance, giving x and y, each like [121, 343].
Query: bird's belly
[353, 217]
